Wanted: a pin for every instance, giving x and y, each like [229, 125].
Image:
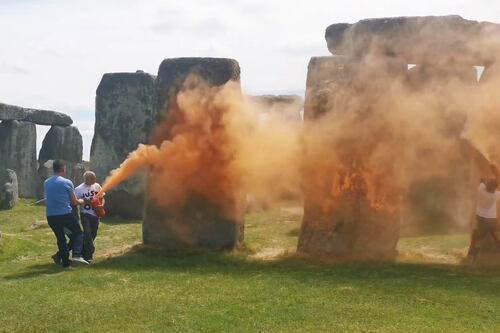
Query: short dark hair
[58, 166]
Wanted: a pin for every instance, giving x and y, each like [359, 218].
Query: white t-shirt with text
[487, 202]
[84, 191]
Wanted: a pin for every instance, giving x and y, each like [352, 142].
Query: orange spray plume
[212, 145]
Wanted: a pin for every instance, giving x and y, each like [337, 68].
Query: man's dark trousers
[90, 224]
[57, 223]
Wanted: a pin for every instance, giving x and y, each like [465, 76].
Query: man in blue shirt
[59, 197]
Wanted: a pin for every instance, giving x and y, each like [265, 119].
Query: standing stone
[9, 190]
[63, 143]
[18, 152]
[440, 203]
[340, 220]
[124, 118]
[198, 223]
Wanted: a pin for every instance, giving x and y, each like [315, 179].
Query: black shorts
[486, 225]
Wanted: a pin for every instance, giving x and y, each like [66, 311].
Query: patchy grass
[263, 288]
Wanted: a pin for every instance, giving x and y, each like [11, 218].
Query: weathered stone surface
[18, 152]
[286, 107]
[40, 117]
[9, 190]
[341, 222]
[173, 72]
[323, 74]
[198, 223]
[124, 118]
[418, 39]
[439, 204]
[64, 143]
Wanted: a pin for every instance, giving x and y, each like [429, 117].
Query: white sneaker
[79, 261]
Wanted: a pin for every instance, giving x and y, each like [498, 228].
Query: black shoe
[56, 259]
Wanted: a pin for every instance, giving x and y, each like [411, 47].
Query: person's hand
[81, 201]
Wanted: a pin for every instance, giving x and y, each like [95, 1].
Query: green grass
[263, 288]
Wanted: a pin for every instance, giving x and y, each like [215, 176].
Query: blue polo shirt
[57, 195]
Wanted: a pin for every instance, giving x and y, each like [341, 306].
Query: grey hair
[88, 173]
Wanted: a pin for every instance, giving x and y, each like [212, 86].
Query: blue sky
[55, 52]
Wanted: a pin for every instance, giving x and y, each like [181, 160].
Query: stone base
[198, 225]
[124, 204]
[352, 231]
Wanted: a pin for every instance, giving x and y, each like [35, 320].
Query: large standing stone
[40, 117]
[199, 222]
[124, 118]
[440, 203]
[18, 152]
[9, 190]
[341, 221]
[64, 143]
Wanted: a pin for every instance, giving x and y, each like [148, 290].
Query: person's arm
[74, 200]
[102, 201]
[72, 196]
[495, 170]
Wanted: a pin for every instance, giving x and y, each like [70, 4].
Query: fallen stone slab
[39, 117]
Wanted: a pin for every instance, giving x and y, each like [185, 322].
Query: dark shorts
[486, 225]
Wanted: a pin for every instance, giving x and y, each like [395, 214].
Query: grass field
[263, 288]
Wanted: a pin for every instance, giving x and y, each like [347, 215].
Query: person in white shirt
[89, 219]
[486, 211]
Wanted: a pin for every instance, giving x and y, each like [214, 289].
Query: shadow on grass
[119, 221]
[237, 265]
[36, 271]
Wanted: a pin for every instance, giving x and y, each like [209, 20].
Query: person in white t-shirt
[486, 211]
[89, 219]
